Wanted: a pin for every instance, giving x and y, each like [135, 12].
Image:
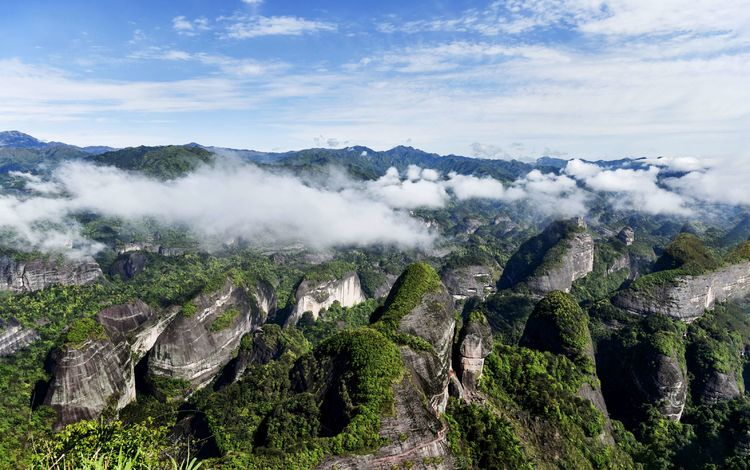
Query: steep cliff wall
[475, 345]
[316, 296]
[200, 341]
[553, 260]
[14, 337]
[469, 281]
[26, 276]
[90, 377]
[687, 297]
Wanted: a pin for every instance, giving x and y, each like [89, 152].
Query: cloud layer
[238, 200]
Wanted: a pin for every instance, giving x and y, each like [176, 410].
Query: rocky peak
[626, 235]
[314, 296]
[687, 297]
[90, 374]
[552, 260]
[419, 310]
[558, 325]
[204, 336]
[475, 344]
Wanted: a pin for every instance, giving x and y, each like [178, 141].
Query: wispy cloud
[244, 27]
[186, 27]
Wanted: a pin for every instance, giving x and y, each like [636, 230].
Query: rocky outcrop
[470, 281]
[315, 296]
[99, 373]
[662, 381]
[433, 321]
[626, 235]
[28, 276]
[475, 345]
[14, 337]
[576, 261]
[553, 260]
[89, 378]
[128, 265]
[420, 310]
[558, 325]
[688, 297]
[719, 387]
[415, 438]
[202, 340]
[267, 343]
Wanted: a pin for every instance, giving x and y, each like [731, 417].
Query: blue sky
[502, 79]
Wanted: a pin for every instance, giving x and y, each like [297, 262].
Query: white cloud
[275, 208]
[634, 190]
[252, 2]
[186, 27]
[244, 27]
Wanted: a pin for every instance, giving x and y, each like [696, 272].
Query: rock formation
[201, 340]
[553, 260]
[475, 345]
[688, 297]
[469, 281]
[719, 386]
[28, 276]
[662, 381]
[14, 337]
[89, 378]
[626, 235]
[315, 296]
[127, 265]
[420, 309]
[558, 325]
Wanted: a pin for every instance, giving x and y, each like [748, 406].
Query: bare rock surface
[14, 337]
[689, 296]
[474, 346]
[414, 435]
[315, 296]
[191, 349]
[433, 321]
[90, 378]
[29, 276]
[470, 281]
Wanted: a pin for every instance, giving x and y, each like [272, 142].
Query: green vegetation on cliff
[558, 325]
[418, 280]
[539, 254]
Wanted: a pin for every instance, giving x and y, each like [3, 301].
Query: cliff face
[14, 337]
[433, 321]
[719, 387]
[469, 281]
[314, 297]
[552, 260]
[662, 381]
[474, 346]
[26, 276]
[576, 261]
[128, 265]
[195, 347]
[90, 378]
[689, 296]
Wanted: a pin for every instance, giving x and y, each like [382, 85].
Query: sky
[503, 79]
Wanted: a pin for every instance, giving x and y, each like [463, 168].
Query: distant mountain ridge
[20, 140]
[20, 151]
